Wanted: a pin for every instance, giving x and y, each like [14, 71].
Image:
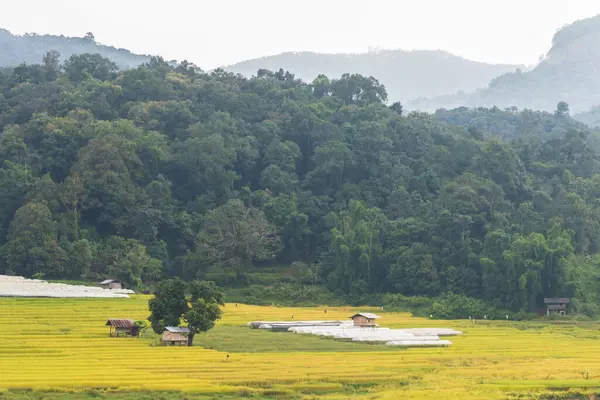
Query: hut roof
[121, 323]
[560, 300]
[366, 315]
[177, 329]
[107, 281]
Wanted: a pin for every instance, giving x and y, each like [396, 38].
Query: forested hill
[568, 73]
[590, 117]
[512, 123]
[405, 74]
[165, 171]
[30, 49]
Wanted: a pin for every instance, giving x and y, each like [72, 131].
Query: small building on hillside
[122, 327]
[365, 320]
[556, 305]
[111, 284]
[175, 336]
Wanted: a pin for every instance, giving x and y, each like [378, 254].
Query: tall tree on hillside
[234, 235]
[356, 246]
[32, 246]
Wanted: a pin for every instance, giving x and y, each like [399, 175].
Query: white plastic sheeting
[346, 331]
[433, 331]
[17, 286]
[419, 343]
[289, 324]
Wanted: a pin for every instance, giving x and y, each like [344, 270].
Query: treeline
[512, 123]
[164, 171]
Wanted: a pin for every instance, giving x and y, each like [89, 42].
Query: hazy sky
[221, 32]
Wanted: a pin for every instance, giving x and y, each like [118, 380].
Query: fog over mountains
[405, 74]
[30, 49]
[422, 80]
[568, 72]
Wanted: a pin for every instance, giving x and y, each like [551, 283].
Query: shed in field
[122, 327]
[365, 319]
[175, 335]
[111, 284]
[556, 305]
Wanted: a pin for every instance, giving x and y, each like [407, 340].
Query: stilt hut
[556, 305]
[122, 327]
[175, 336]
[365, 320]
[111, 284]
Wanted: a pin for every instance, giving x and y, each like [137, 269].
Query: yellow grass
[63, 344]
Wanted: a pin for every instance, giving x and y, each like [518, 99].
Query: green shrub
[417, 305]
[283, 294]
[457, 306]
[143, 324]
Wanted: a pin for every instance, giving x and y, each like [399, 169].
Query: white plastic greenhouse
[346, 331]
[17, 286]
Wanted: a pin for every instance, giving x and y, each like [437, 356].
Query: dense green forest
[511, 123]
[164, 170]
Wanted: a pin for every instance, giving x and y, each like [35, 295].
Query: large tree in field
[197, 303]
[234, 235]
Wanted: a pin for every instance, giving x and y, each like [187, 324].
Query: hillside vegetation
[568, 72]
[30, 49]
[164, 170]
[405, 74]
[511, 123]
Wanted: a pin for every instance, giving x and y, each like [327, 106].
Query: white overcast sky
[222, 32]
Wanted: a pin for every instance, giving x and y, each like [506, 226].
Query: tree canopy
[166, 171]
[197, 303]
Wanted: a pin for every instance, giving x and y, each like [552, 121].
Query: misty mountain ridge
[405, 74]
[568, 72]
[30, 49]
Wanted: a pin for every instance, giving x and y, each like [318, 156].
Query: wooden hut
[556, 305]
[111, 284]
[175, 335]
[365, 319]
[122, 327]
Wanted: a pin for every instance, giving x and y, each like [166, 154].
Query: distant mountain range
[421, 79]
[30, 48]
[569, 72]
[405, 74]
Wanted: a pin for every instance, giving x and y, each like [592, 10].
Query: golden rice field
[63, 345]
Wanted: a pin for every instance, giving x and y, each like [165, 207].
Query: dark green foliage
[510, 123]
[197, 303]
[285, 295]
[455, 306]
[165, 171]
[168, 305]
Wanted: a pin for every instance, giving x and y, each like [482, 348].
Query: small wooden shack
[365, 320]
[175, 336]
[556, 305]
[111, 284]
[122, 327]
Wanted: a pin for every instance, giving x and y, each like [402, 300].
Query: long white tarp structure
[17, 286]
[346, 331]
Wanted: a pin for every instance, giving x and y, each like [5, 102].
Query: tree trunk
[191, 339]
